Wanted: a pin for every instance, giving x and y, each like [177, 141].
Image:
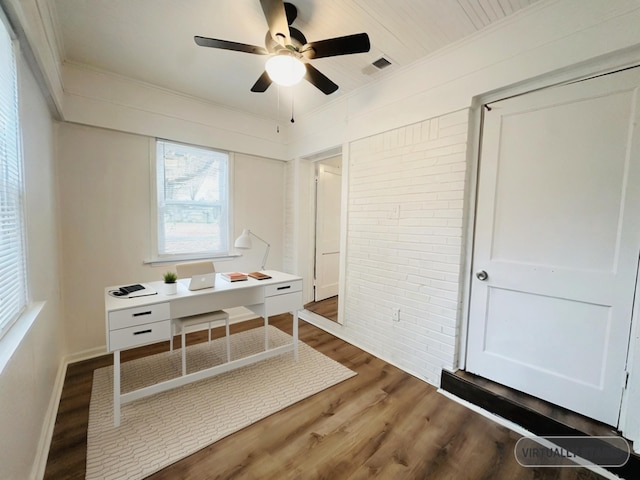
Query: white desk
[133, 322]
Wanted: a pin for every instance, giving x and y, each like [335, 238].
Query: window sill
[12, 339]
[165, 261]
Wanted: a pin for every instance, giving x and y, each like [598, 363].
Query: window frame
[159, 258]
[22, 298]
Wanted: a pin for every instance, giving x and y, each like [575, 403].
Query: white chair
[188, 270]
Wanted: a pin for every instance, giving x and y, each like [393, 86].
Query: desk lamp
[244, 242]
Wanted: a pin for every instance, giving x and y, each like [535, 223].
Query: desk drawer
[283, 288]
[139, 335]
[138, 316]
[278, 304]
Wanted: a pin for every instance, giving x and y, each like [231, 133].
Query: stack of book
[234, 276]
[259, 275]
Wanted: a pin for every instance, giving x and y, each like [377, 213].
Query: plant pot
[170, 288]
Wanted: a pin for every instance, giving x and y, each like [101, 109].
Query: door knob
[482, 275]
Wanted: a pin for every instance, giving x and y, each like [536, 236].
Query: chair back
[188, 270]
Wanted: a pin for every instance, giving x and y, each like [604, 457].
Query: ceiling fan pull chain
[292, 120]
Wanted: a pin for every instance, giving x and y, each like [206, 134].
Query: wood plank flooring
[382, 423]
[327, 308]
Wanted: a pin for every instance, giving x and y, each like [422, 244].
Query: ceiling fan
[288, 45]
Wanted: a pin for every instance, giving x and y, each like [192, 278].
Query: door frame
[309, 260]
[576, 73]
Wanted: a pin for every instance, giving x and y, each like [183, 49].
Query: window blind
[13, 294]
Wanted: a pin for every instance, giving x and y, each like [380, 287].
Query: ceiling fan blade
[227, 45]
[276, 16]
[357, 43]
[262, 83]
[291, 11]
[319, 80]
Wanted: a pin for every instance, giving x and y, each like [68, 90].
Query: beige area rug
[157, 431]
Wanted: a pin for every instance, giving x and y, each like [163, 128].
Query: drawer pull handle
[139, 314]
[284, 288]
[142, 332]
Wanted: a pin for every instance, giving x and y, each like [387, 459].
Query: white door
[558, 235]
[328, 204]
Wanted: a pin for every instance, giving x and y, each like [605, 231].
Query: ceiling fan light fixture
[285, 69]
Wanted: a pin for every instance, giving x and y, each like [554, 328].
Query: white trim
[344, 228]
[48, 423]
[628, 423]
[153, 203]
[86, 354]
[10, 342]
[187, 258]
[474, 115]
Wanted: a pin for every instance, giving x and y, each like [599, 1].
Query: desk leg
[183, 346]
[228, 340]
[295, 335]
[266, 333]
[116, 388]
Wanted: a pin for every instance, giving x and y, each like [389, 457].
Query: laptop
[206, 280]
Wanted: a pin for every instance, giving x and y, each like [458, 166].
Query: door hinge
[626, 380]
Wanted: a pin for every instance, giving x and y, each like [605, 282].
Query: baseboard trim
[338, 329]
[46, 435]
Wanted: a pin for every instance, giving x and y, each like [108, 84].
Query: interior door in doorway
[327, 251]
[556, 243]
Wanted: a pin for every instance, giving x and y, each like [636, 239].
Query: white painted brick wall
[404, 243]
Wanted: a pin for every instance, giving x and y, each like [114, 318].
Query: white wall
[259, 205]
[105, 211]
[27, 384]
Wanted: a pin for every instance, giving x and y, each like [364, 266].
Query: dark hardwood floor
[327, 308]
[382, 423]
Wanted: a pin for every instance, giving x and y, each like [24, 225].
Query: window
[192, 201]
[13, 290]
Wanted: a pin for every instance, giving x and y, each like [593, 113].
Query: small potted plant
[170, 285]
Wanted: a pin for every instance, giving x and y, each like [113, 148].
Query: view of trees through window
[192, 199]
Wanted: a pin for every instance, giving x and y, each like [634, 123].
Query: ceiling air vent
[376, 66]
[381, 63]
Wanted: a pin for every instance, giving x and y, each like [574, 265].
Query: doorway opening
[326, 251]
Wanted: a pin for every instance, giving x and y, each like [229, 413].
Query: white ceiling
[152, 41]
